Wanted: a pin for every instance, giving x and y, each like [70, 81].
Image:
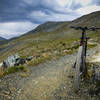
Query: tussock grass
[38, 60]
[1, 72]
[12, 70]
[91, 46]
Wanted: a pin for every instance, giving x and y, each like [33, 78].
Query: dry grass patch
[12, 70]
[1, 72]
[24, 75]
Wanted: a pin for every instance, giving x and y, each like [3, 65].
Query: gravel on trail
[52, 80]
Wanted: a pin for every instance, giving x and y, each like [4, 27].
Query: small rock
[42, 76]
[9, 98]
[56, 52]
[36, 82]
[65, 51]
[64, 87]
[12, 98]
[19, 91]
[12, 89]
[29, 58]
[6, 92]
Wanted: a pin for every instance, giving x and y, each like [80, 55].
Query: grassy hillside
[2, 40]
[48, 27]
[51, 39]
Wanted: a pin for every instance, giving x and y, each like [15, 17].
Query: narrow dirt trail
[54, 74]
[51, 80]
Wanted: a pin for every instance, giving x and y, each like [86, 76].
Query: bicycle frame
[83, 43]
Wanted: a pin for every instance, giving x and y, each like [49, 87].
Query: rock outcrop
[13, 60]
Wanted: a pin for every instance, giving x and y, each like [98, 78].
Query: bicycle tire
[83, 63]
[77, 68]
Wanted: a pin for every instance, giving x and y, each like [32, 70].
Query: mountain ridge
[46, 24]
[49, 35]
[77, 22]
[2, 39]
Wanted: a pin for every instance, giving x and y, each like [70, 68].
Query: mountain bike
[80, 63]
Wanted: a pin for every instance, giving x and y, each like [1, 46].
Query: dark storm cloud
[15, 10]
[11, 10]
[19, 10]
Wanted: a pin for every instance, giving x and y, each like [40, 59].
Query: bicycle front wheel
[77, 68]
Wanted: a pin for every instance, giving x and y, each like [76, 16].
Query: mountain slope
[50, 37]
[48, 27]
[92, 19]
[1, 39]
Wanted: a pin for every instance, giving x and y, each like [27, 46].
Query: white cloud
[66, 9]
[39, 15]
[63, 17]
[64, 3]
[83, 2]
[12, 29]
[88, 9]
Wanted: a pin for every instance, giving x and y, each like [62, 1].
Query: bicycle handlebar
[94, 29]
[85, 28]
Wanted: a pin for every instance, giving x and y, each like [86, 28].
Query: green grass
[14, 69]
[91, 46]
[38, 61]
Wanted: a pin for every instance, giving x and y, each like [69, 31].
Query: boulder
[13, 60]
[19, 61]
[94, 72]
[97, 73]
[10, 61]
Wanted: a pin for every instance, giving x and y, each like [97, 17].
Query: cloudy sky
[20, 16]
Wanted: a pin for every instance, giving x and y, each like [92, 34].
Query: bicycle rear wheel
[83, 68]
